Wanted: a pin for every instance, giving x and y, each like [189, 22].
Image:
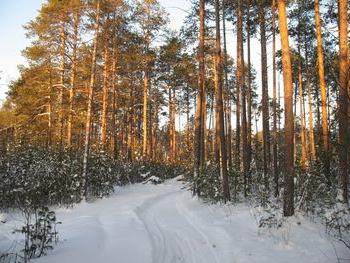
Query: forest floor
[163, 223]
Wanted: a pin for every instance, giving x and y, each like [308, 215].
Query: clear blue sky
[15, 13]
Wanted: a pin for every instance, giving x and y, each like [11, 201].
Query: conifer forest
[225, 139]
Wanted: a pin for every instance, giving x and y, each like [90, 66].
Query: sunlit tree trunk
[76, 21]
[249, 92]
[105, 85]
[114, 87]
[199, 139]
[61, 86]
[302, 115]
[239, 80]
[323, 88]
[288, 194]
[219, 104]
[90, 97]
[145, 101]
[265, 95]
[227, 88]
[274, 101]
[343, 99]
[172, 132]
[50, 113]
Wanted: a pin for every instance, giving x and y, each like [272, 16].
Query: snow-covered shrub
[11, 258]
[337, 223]
[40, 177]
[35, 177]
[209, 184]
[101, 176]
[39, 232]
[313, 191]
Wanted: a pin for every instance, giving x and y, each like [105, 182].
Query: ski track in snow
[164, 224]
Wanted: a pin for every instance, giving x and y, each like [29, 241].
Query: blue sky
[15, 13]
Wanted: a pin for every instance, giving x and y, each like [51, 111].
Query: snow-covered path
[163, 224]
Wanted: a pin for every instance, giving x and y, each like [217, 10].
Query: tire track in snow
[173, 237]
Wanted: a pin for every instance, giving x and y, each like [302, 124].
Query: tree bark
[265, 95]
[63, 38]
[323, 89]
[288, 195]
[274, 101]
[343, 99]
[200, 121]
[90, 98]
[105, 85]
[227, 88]
[249, 93]
[240, 80]
[76, 21]
[219, 105]
[302, 115]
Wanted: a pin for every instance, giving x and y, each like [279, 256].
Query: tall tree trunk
[288, 195]
[63, 38]
[244, 119]
[199, 122]
[115, 98]
[227, 88]
[274, 101]
[172, 134]
[76, 21]
[249, 93]
[219, 105]
[145, 113]
[105, 85]
[311, 124]
[312, 148]
[323, 89]
[343, 99]
[302, 115]
[240, 80]
[265, 95]
[50, 107]
[90, 98]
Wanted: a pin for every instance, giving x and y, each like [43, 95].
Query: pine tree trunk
[274, 101]
[227, 88]
[249, 93]
[76, 20]
[240, 80]
[343, 99]
[63, 38]
[302, 115]
[105, 85]
[114, 87]
[323, 90]
[288, 194]
[218, 92]
[199, 133]
[90, 98]
[172, 135]
[265, 96]
[145, 114]
[50, 113]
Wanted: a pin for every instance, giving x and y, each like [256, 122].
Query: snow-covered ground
[163, 223]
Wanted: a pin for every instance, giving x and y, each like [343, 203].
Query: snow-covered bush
[39, 232]
[337, 223]
[33, 177]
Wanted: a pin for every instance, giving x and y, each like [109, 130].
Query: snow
[164, 223]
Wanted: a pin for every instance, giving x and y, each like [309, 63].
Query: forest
[111, 97]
